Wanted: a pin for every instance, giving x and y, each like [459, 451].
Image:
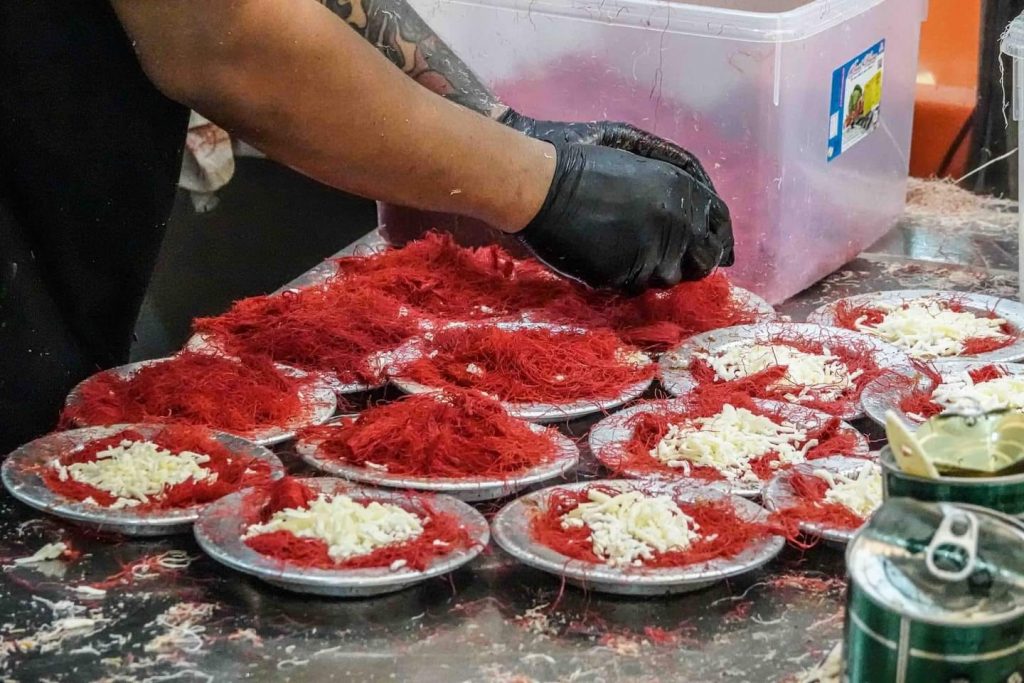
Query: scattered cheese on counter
[927, 328]
[728, 442]
[630, 527]
[50, 551]
[824, 373]
[959, 393]
[859, 491]
[347, 527]
[135, 470]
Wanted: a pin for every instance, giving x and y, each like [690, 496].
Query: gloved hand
[613, 134]
[618, 220]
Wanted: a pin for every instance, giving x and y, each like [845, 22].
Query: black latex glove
[618, 220]
[609, 134]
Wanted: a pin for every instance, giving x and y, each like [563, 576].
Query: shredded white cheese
[634, 358]
[859, 491]
[347, 527]
[135, 471]
[630, 527]
[50, 551]
[927, 328]
[823, 374]
[960, 393]
[729, 441]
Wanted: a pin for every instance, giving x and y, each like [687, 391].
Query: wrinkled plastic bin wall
[756, 113]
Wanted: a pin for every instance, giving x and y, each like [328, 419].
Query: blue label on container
[856, 100]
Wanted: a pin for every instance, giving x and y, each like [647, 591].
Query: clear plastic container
[745, 84]
[1012, 44]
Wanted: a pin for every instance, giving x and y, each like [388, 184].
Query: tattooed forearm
[405, 39]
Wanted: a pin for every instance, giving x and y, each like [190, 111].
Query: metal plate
[881, 396]
[677, 379]
[469, 489]
[534, 412]
[202, 343]
[765, 311]
[614, 433]
[511, 528]
[779, 495]
[1011, 311]
[20, 474]
[219, 532]
[318, 400]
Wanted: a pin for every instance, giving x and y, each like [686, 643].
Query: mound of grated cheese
[823, 374]
[859, 491]
[728, 442]
[959, 393]
[349, 528]
[135, 471]
[927, 328]
[630, 527]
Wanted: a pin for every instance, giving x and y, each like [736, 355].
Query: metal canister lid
[941, 563]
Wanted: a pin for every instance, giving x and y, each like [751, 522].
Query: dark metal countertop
[493, 621]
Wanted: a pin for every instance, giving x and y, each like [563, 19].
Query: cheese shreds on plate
[136, 471]
[960, 393]
[729, 441]
[825, 374]
[928, 328]
[631, 527]
[859, 491]
[349, 528]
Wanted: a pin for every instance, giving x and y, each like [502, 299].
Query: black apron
[89, 158]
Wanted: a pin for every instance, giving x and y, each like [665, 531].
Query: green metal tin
[936, 594]
[1003, 494]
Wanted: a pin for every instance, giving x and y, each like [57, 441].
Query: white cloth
[209, 161]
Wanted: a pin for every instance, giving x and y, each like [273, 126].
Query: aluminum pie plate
[468, 489]
[881, 396]
[202, 343]
[533, 412]
[219, 532]
[677, 379]
[764, 311]
[21, 475]
[511, 528]
[779, 495]
[318, 400]
[613, 433]
[1009, 310]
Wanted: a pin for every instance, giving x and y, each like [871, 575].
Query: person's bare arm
[398, 32]
[310, 93]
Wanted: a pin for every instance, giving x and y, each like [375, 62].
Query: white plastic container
[1012, 44]
[745, 84]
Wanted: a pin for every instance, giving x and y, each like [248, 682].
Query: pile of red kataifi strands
[234, 395]
[920, 402]
[811, 508]
[848, 315]
[771, 382]
[443, 533]
[650, 427]
[723, 534]
[456, 434]
[333, 329]
[527, 365]
[439, 278]
[234, 471]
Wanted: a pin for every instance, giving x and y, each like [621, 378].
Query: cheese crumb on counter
[927, 328]
[630, 527]
[134, 471]
[349, 528]
[859, 491]
[729, 441]
[823, 373]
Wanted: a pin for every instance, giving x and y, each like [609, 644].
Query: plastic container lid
[941, 563]
[772, 21]
[1012, 42]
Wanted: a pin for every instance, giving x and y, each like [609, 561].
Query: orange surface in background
[947, 84]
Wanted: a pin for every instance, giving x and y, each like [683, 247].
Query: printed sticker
[856, 100]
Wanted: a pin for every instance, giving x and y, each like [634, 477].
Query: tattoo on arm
[405, 39]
